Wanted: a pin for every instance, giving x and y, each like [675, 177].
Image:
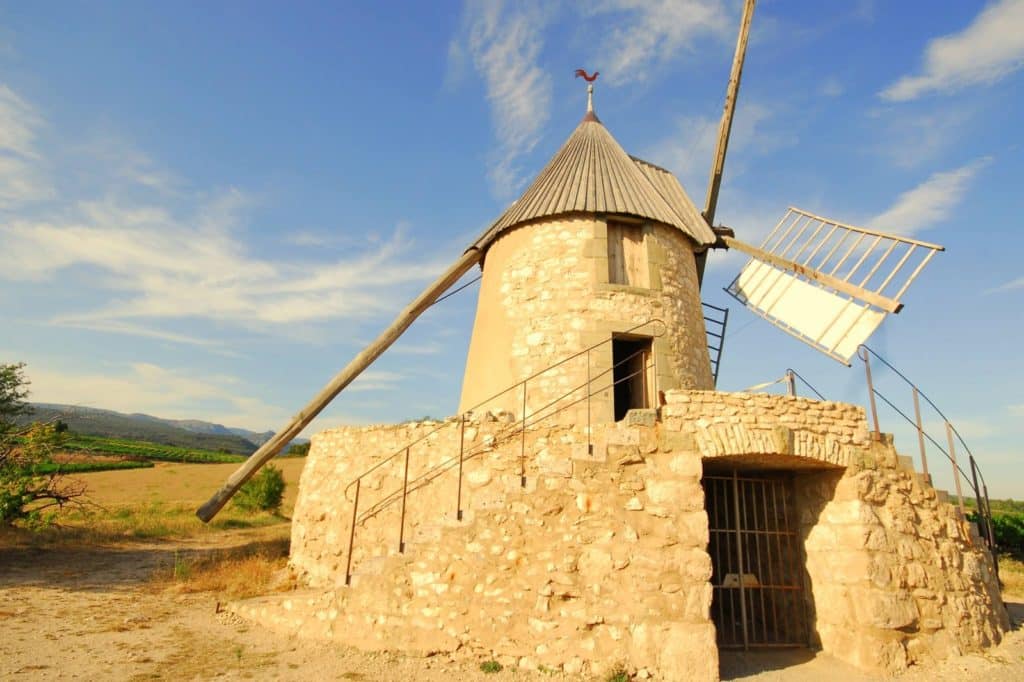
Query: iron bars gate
[755, 553]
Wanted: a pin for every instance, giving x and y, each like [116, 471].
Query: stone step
[905, 462]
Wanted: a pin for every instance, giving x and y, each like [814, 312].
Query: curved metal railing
[975, 479]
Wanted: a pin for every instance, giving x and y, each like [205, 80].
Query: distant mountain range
[187, 433]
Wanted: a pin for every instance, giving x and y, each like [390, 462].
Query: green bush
[490, 667]
[1009, 531]
[263, 492]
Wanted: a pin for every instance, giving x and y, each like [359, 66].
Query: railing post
[991, 531]
[352, 534]
[462, 449]
[982, 526]
[405, 492]
[920, 437]
[956, 468]
[590, 388]
[522, 448]
[871, 391]
[791, 383]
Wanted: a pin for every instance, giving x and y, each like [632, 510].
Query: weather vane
[581, 73]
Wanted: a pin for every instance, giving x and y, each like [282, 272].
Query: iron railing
[976, 480]
[513, 430]
[719, 317]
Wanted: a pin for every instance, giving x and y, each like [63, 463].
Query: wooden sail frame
[857, 266]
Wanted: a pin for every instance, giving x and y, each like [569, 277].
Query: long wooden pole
[354, 368]
[725, 126]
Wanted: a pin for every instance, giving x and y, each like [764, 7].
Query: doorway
[631, 360]
[757, 560]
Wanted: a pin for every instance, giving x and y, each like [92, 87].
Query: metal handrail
[509, 389]
[519, 426]
[501, 437]
[790, 372]
[981, 497]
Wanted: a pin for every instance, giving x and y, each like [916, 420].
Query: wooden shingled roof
[592, 173]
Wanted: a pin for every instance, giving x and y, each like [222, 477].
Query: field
[137, 449]
[132, 588]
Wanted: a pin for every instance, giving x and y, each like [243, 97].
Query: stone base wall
[601, 559]
[897, 576]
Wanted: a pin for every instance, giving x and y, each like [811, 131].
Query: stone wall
[545, 296]
[896, 575]
[599, 561]
[601, 558]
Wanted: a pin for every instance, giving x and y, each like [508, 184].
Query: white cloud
[688, 150]
[930, 202]
[991, 48]
[648, 33]
[153, 389]
[505, 43]
[1017, 410]
[22, 178]
[162, 266]
[1008, 286]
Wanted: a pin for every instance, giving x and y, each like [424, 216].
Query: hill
[107, 423]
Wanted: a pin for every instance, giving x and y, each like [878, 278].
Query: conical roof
[592, 173]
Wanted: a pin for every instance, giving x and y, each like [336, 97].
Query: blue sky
[206, 209]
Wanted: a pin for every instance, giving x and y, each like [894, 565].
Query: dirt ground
[95, 612]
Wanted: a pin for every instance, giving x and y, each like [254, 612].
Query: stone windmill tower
[598, 252]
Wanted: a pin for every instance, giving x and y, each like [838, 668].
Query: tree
[29, 489]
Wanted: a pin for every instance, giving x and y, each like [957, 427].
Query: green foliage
[297, 450]
[150, 451]
[29, 487]
[491, 666]
[1009, 531]
[89, 467]
[262, 492]
[618, 674]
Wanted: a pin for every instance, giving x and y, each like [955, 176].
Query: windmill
[820, 280]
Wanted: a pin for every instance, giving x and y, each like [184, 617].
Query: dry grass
[155, 521]
[237, 573]
[1011, 573]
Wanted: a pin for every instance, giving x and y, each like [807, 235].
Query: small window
[627, 255]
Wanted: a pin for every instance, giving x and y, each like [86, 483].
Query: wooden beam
[882, 302]
[354, 368]
[724, 128]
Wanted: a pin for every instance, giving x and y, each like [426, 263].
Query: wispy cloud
[832, 87]
[989, 49]
[22, 178]
[929, 203]
[168, 253]
[162, 266]
[1016, 410]
[687, 151]
[155, 389]
[504, 42]
[1012, 285]
[649, 33]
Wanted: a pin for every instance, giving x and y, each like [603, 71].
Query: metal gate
[756, 558]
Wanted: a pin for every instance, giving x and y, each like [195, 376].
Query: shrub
[490, 667]
[263, 492]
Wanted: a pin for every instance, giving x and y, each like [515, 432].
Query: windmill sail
[825, 282]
